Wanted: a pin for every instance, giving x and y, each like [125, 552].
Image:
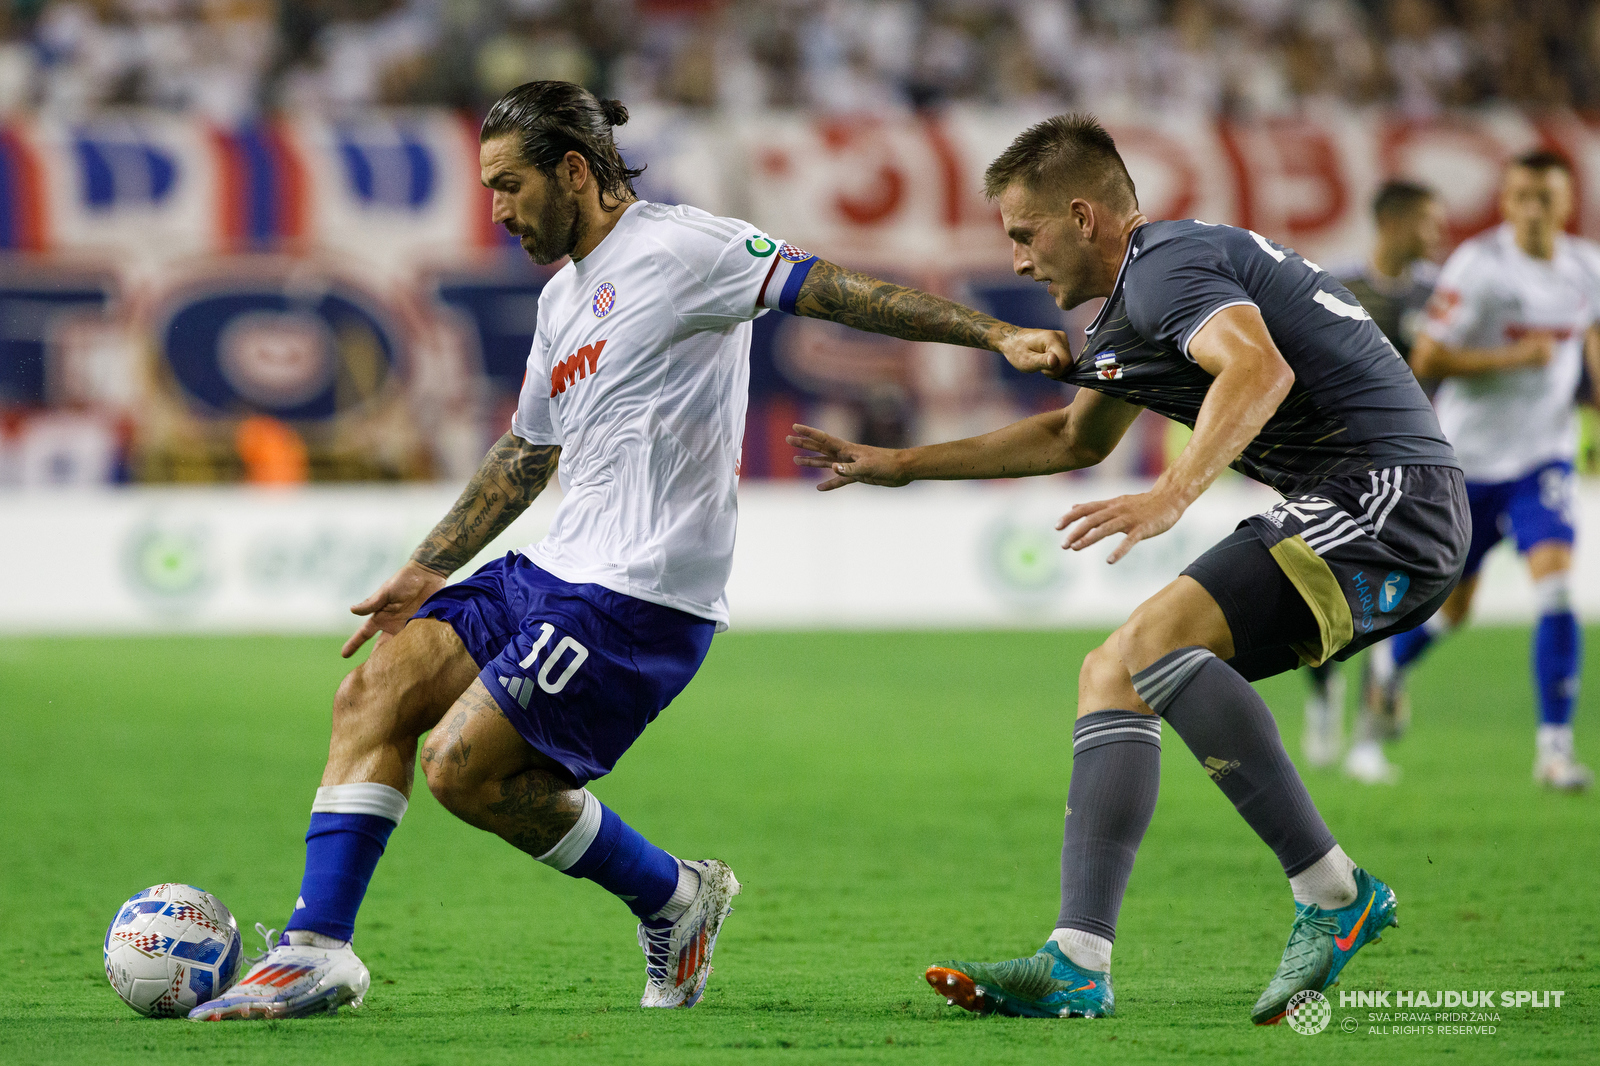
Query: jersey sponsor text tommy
[566, 372]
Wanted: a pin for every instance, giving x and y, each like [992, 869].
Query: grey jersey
[1354, 405]
[1398, 305]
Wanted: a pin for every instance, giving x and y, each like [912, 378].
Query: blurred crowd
[233, 58]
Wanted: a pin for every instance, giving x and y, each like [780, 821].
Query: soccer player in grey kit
[1284, 377]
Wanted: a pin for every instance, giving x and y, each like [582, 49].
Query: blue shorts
[578, 670]
[1534, 508]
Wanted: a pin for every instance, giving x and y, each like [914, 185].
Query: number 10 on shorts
[558, 655]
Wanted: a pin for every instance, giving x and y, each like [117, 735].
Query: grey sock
[1227, 725]
[1116, 772]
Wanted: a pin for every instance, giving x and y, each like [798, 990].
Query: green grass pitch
[889, 800]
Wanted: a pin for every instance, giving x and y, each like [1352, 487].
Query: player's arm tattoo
[509, 478]
[867, 303]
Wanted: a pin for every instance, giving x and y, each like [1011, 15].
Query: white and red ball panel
[171, 948]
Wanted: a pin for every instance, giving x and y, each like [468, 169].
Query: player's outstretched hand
[1138, 517]
[396, 600]
[1042, 351]
[849, 462]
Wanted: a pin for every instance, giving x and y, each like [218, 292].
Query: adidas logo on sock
[521, 689]
[1218, 769]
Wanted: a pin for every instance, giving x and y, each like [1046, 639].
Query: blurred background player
[1394, 285]
[1508, 331]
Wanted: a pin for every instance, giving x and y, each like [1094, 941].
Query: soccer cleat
[1365, 762]
[1322, 942]
[1562, 772]
[269, 937]
[677, 957]
[1384, 702]
[1047, 985]
[292, 981]
[1324, 724]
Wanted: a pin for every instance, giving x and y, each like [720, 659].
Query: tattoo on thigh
[456, 746]
[447, 742]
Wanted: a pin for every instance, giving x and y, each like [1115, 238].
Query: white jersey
[1491, 293]
[640, 370]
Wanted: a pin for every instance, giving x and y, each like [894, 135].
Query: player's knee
[1101, 666]
[460, 786]
[349, 702]
[1142, 639]
[1102, 680]
[364, 706]
[448, 781]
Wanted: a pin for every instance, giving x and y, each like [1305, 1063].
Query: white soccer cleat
[678, 957]
[1323, 737]
[292, 981]
[1562, 772]
[1367, 763]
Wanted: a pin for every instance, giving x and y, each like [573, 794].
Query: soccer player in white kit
[550, 662]
[1511, 322]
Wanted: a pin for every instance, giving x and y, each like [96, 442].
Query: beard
[558, 230]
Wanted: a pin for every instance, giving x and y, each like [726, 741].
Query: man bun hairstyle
[1397, 198]
[552, 118]
[1070, 154]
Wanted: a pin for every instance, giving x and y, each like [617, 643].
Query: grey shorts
[1322, 575]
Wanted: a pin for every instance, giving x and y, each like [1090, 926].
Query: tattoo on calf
[866, 303]
[509, 478]
[536, 809]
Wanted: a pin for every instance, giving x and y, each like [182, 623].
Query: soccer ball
[171, 948]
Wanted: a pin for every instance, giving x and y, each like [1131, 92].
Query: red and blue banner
[343, 276]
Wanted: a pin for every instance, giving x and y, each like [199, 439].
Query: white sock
[363, 797]
[1329, 882]
[682, 896]
[305, 938]
[1087, 951]
[570, 848]
[1381, 656]
[1555, 740]
[1552, 593]
[1439, 625]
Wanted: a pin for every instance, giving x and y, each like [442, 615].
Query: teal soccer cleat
[1321, 942]
[1046, 985]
